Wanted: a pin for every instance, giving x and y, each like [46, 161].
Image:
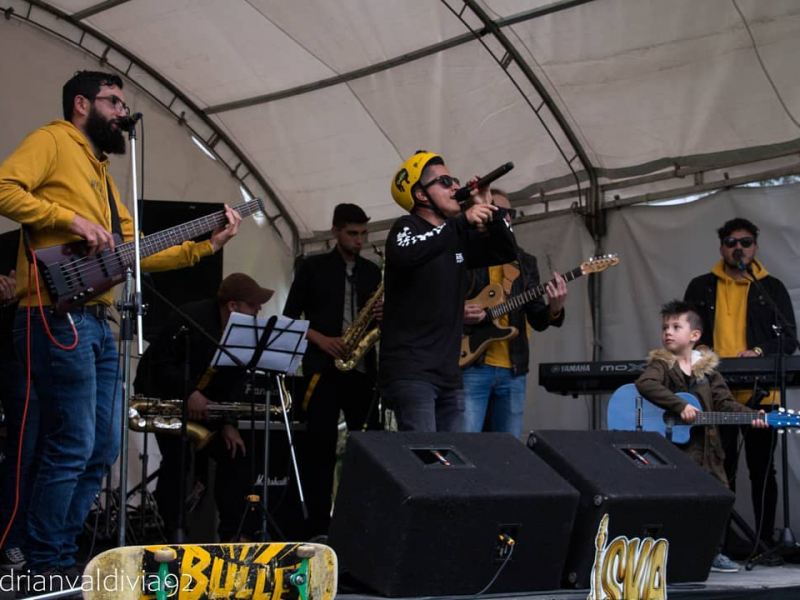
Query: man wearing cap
[160, 374]
[329, 290]
[427, 254]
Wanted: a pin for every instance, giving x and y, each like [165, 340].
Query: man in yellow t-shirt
[494, 386]
[738, 322]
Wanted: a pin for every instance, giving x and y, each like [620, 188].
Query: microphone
[127, 123]
[737, 256]
[464, 192]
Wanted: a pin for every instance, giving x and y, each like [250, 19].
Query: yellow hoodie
[730, 321]
[54, 175]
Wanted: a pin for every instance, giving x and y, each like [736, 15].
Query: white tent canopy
[314, 103]
[309, 103]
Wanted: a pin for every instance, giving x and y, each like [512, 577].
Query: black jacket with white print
[424, 294]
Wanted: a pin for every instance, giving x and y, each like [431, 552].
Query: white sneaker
[723, 564]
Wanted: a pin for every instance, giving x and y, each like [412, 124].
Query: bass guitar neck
[73, 277]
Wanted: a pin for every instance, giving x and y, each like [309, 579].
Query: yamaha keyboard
[606, 376]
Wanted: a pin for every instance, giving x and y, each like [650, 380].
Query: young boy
[680, 368]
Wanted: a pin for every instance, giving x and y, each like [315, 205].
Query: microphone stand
[787, 541]
[130, 305]
[180, 534]
[183, 332]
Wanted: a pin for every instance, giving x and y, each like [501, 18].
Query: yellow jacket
[54, 175]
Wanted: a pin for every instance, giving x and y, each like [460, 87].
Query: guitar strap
[25, 232]
[510, 274]
[116, 227]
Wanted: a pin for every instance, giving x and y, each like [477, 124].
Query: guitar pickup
[102, 258]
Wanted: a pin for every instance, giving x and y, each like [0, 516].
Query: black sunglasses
[511, 212]
[746, 242]
[446, 180]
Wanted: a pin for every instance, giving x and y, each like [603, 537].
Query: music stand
[275, 347]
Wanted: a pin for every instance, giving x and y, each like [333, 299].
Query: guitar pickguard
[482, 335]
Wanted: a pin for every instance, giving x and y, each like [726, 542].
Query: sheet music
[285, 347]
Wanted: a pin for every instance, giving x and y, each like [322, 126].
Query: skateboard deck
[252, 571]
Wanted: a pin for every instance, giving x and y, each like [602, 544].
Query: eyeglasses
[446, 181]
[116, 103]
[746, 242]
[511, 212]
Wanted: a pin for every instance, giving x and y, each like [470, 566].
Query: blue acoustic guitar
[629, 411]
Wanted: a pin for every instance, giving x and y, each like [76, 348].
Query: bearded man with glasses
[57, 185]
[738, 321]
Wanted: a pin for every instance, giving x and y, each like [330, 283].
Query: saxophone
[164, 416]
[358, 338]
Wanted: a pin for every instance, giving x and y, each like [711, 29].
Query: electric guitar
[493, 300]
[72, 278]
[629, 411]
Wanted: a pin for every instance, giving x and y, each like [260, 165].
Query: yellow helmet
[408, 175]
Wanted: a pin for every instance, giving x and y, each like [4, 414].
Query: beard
[105, 138]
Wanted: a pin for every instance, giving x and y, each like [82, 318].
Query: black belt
[98, 311]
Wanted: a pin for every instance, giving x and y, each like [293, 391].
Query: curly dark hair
[734, 225]
[86, 84]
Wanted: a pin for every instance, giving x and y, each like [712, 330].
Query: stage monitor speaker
[649, 488]
[421, 514]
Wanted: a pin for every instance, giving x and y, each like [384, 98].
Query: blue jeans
[423, 406]
[13, 384]
[80, 399]
[494, 398]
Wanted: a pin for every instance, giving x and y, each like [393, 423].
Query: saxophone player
[160, 374]
[329, 290]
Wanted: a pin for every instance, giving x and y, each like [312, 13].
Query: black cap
[348, 213]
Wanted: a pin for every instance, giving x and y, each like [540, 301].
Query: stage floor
[761, 583]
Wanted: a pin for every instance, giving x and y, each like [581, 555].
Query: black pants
[759, 450]
[232, 482]
[351, 392]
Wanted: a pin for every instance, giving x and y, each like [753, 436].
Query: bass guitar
[72, 278]
[629, 411]
[492, 299]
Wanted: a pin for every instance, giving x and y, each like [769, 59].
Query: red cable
[41, 308]
[24, 415]
[28, 382]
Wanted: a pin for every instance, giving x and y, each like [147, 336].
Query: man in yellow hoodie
[738, 321]
[56, 184]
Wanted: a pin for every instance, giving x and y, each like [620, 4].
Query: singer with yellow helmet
[427, 254]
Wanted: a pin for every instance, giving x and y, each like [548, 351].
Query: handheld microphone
[127, 123]
[737, 256]
[464, 192]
